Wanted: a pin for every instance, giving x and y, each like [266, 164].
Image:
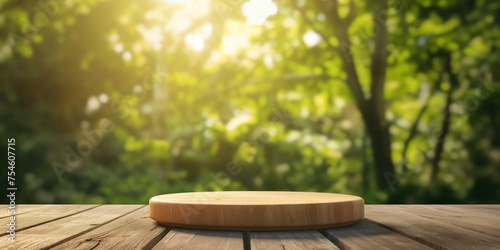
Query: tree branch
[416, 122]
[445, 124]
[313, 26]
[330, 9]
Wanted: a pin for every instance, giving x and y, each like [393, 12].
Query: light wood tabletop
[129, 227]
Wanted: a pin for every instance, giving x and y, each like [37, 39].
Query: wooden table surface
[128, 227]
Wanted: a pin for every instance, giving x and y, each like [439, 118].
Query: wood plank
[21, 209]
[366, 235]
[44, 215]
[187, 239]
[430, 232]
[132, 231]
[292, 240]
[490, 209]
[468, 217]
[52, 233]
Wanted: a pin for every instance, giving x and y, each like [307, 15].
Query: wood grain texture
[185, 239]
[430, 232]
[21, 209]
[44, 215]
[475, 218]
[127, 227]
[489, 209]
[237, 210]
[52, 233]
[132, 231]
[295, 240]
[366, 235]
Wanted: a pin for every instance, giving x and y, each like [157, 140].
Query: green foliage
[202, 101]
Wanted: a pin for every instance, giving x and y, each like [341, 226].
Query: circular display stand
[256, 210]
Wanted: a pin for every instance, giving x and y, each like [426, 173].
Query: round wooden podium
[256, 210]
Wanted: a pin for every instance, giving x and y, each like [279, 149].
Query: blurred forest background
[116, 101]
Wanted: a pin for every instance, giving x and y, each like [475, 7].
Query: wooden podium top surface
[254, 198]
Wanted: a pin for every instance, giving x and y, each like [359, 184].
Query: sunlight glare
[153, 36]
[92, 104]
[195, 42]
[176, 2]
[103, 98]
[269, 61]
[238, 120]
[183, 18]
[207, 30]
[113, 38]
[127, 56]
[311, 38]
[257, 11]
[118, 47]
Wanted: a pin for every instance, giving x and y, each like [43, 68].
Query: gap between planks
[384, 217]
[190, 239]
[40, 217]
[22, 209]
[471, 217]
[367, 235]
[290, 240]
[433, 233]
[134, 230]
[246, 241]
[67, 228]
[98, 225]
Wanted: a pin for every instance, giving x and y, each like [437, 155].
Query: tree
[373, 107]
[322, 96]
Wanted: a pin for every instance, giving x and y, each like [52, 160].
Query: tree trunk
[374, 112]
[372, 109]
[378, 131]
